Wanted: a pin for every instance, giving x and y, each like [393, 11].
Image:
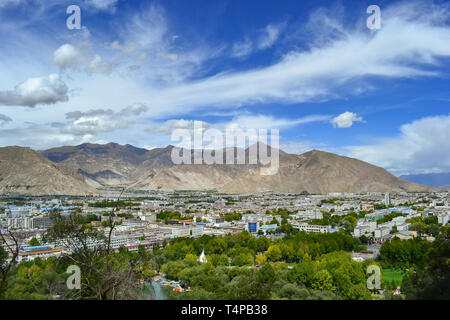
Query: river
[154, 291]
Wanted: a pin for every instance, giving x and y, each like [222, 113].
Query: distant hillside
[107, 165]
[430, 179]
[141, 169]
[322, 172]
[26, 172]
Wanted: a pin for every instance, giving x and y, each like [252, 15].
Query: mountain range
[430, 179]
[87, 168]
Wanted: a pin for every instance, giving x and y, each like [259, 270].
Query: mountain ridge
[87, 167]
[438, 180]
[314, 171]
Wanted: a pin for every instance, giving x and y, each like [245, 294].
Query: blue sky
[137, 70]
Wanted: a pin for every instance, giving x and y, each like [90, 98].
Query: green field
[393, 274]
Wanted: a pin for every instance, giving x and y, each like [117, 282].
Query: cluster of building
[204, 213]
[370, 227]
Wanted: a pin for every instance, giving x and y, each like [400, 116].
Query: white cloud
[270, 122]
[39, 137]
[98, 65]
[102, 4]
[126, 49]
[147, 28]
[42, 90]
[299, 147]
[244, 122]
[270, 35]
[422, 146]
[411, 43]
[133, 110]
[149, 31]
[267, 38]
[66, 56]
[4, 119]
[249, 125]
[346, 119]
[94, 124]
[403, 48]
[100, 120]
[325, 24]
[5, 3]
[170, 56]
[169, 126]
[241, 49]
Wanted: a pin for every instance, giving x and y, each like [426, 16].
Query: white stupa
[202, 258]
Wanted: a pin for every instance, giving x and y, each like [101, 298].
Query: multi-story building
[41, 223]
[303, 226]
[42, 252]
[16, 212]
[381, 232]
[443, 218]
[18, 223]
[387, 199]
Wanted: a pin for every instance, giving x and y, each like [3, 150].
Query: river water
[154, 291]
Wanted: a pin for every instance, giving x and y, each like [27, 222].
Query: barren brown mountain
[321, 172]
[26, 172]
[313, 172]
[109, 164]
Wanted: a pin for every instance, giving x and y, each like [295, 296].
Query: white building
[16, 212]
[42, 252]
[19, 223]
[387, 199]
[183, 231]
[443, 218]
[148, 217]
[381, 232]
[303, 226]
[403, 226]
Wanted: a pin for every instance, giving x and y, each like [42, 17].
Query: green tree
[34, 242]
[191, 257]
[273, 253]
[322, 280]
[431, 281]
[260, 259]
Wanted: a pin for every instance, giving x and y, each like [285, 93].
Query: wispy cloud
[265, 39]
[270, 35]
[4, 3]
[241, 49]
[403, 48]
[102, 4]
[4, 119]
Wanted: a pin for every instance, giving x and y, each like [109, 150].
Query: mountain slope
[141, 169]
[321, 172]
[109, 164]
[26, 172]
[430, 179]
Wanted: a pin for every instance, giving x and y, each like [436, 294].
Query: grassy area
[395, 275]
